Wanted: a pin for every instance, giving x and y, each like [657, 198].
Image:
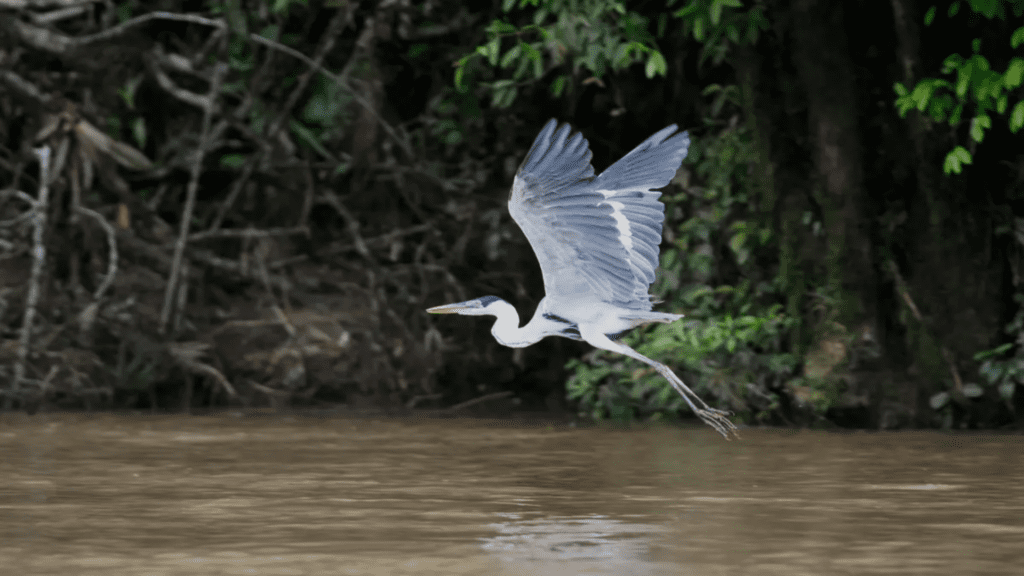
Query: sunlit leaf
[492, 50]
[997, 351]
[922, 94]
[698, 29]
[951, 63]
[956, 159]
[499, 27]
[1017, 38]
[716, 12]
[656, 65]
[503, 93]
[978, 126]
[1017, 117]
[972, 390]
[963, 78]
[1014, 73]
[511, 56]
[939, 400]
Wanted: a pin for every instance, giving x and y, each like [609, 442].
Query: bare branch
[111, 252]
[248, 233]
[38, 262]
[190, 200]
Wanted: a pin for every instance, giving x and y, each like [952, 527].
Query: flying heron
[597, 240]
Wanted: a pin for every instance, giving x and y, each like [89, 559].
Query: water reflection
[547, 544]
[233, 495]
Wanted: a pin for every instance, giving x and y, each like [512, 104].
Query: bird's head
[483, 306]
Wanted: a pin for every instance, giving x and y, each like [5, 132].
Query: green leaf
[232, 161]
[558, 86]
[460, 83]
[963, 155]
[1017, 38]
[306, 135]
[538, 65]
[1014, 73]
[139, 131]
[1017, 117]
[963, 78]
[738, 240]
[503, 93]
[499, 27]
[127, 93]
[511, 56]
[987, 8]
[978, 125]
[929, 16]
[698, 29]
[997, 351]
[939, 400]
[124, 12]
[1006, 390]
[972, 390]
[716, 12]
[270, 32]
[492, 50]
[656, 65]
[954, 117]
[690, 8]
[951, 63]
[922, 94]
[417, 50]
[955, 160]
[732, 32]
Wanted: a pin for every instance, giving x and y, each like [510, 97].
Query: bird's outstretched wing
[595, 237]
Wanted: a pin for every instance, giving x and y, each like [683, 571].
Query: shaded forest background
[236, 203]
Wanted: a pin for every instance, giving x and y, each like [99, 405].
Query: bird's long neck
[507, 332]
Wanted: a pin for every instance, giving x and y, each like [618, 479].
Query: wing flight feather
[595, 237]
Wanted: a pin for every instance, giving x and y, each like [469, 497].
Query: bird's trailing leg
[713, 417]
[717, 419]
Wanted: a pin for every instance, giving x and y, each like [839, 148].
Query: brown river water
[229, 494]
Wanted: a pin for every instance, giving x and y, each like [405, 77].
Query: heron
[597, 241]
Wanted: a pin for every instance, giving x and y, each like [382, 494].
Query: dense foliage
[252, 203]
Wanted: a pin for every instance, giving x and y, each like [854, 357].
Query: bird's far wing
[567, 221]
[627, 187]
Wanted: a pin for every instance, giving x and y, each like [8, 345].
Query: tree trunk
[826, 70]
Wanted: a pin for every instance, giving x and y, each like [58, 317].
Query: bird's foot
[718, 419]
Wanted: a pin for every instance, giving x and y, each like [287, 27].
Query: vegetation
[252, 204]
